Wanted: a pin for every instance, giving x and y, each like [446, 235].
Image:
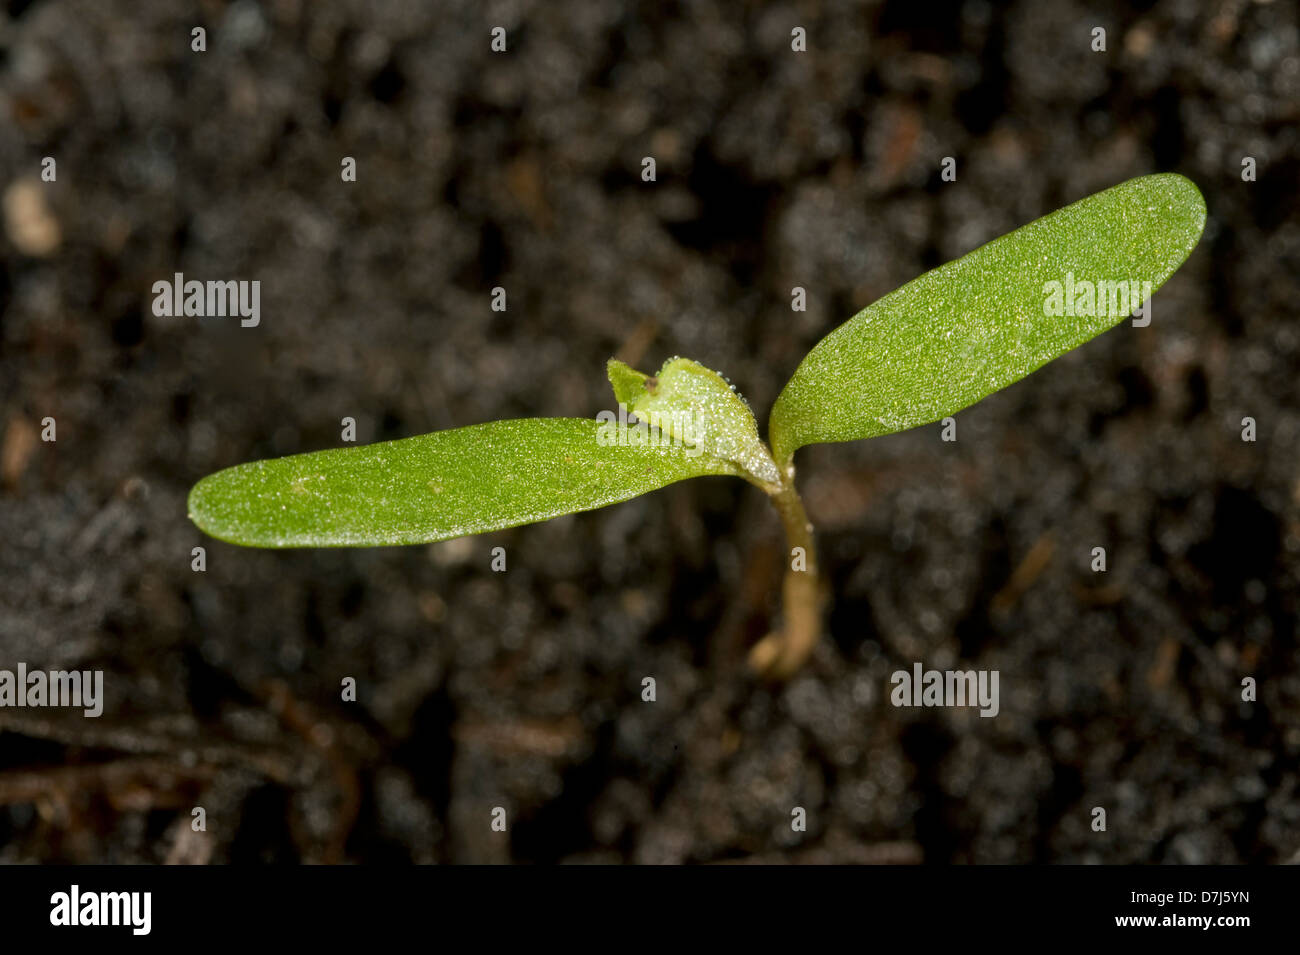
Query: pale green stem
[783, 652]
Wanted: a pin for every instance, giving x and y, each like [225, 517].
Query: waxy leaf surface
[434, 487]
[975, 325]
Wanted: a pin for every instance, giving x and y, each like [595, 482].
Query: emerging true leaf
[436, 486]
[698, 406]
[970, 327]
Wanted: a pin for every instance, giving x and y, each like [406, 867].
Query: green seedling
[923, 352]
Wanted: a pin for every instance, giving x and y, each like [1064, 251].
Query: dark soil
[523, 690]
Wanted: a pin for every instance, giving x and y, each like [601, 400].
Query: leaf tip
[626, 381]
[1183, 203]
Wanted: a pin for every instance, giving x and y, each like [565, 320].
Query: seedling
[923, 352]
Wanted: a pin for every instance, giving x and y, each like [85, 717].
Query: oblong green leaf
[436, 486]
[968, 328]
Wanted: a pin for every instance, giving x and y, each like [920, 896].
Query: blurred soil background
[523, 689]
